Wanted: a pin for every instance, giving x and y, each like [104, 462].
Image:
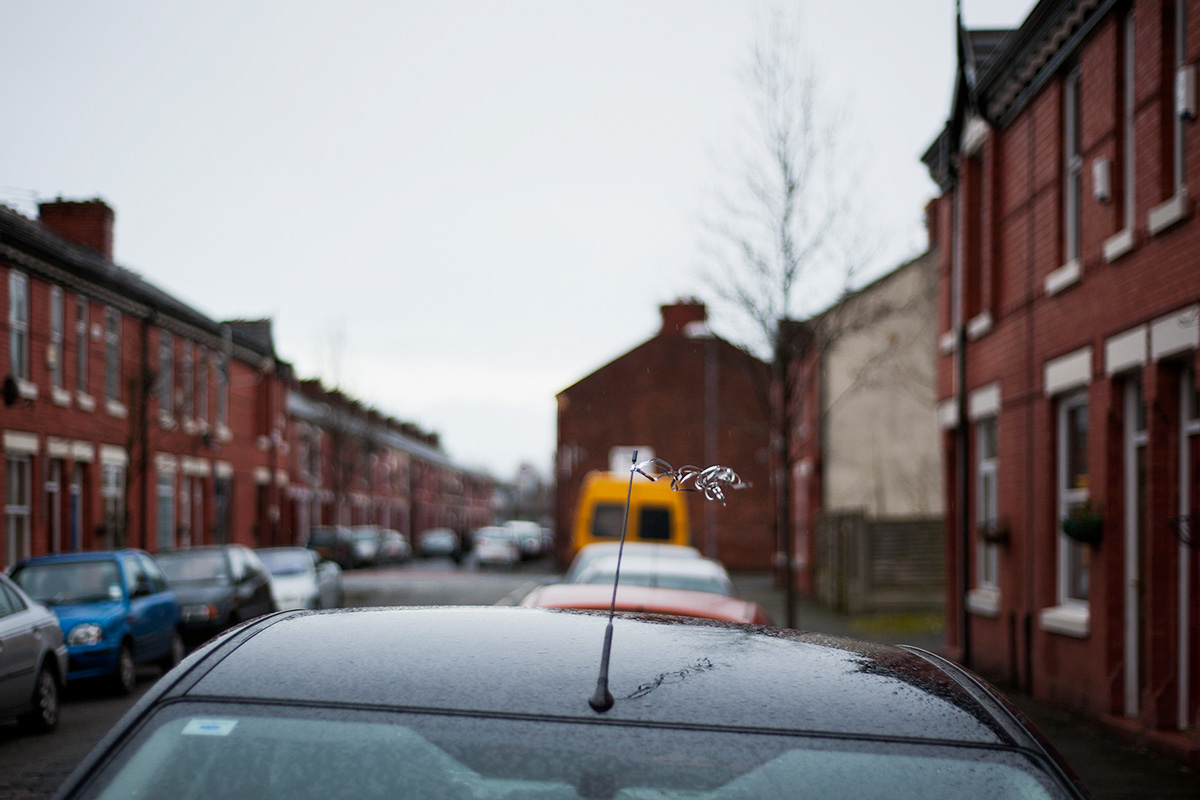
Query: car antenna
[713, 481]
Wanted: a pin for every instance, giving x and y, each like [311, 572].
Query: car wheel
[175, 653]
[43, 718]
[125, 678]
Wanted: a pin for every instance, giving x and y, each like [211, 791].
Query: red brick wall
[1158, 276]
[655, 396]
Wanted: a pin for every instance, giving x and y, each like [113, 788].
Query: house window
[16, 508]
[56, 338]
[166, 509]
[81, 344]
[112, 354]
[1073, 495]
[187, 369]
[1128, 95]
[166, 374]
[18, 325]
[112, 493]
[987, 501]
[203, 365]
[223, 390]
[1072, 168]
[1179, 35]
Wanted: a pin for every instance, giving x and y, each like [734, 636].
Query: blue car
[115, 610]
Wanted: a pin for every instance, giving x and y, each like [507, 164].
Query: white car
[528, 535]
[696, 574]
[301, 579]
[33, 660]
[588, 553]
[496, 545]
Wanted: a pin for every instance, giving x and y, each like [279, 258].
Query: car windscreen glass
[197, 751]
[661, 580]
[606, 521]
[197, 566]
[70, 582]
[654, 524]
[286, 563]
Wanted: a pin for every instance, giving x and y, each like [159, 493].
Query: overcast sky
[454, 210]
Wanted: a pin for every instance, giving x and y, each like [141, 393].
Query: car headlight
[87, 633]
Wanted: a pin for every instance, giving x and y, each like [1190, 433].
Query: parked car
[115, 610]
[647, 600]
[696, 574]
[394, 547]
[33, 660]
[438, 543]
[528, 535]
[302, 579]
[218, 586]
[593, 551]
[334, 543]
[365, 545]
[495, 545]
[307, 705]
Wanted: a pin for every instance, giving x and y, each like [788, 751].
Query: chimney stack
[85, 222]
[676, 317]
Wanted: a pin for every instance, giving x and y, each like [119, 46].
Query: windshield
[196, 566]
[286, 562]
[190, 751]
[70, 582]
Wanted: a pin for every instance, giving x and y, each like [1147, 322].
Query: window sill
[27, 390]
[1064, 277]
[984, 602]
[1167, 214]
[224, 434]
[167, 422]
[1072, 619]
[85, 402]
[1119, 245]
[116, 408]
[979, 326]
[60, 397]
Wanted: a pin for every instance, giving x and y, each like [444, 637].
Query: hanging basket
[1084, 525]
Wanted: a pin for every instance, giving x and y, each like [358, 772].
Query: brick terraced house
[131, 419]
[1069, 319]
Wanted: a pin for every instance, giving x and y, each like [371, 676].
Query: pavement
[1111, 766]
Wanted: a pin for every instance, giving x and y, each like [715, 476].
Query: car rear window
[189, 751]
[60, 583]
[196, 566]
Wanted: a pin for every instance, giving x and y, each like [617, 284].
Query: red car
[648, 599]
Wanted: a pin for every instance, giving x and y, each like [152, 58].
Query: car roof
[641, 562]
[81, 555]
[646, 599]
[540, 662]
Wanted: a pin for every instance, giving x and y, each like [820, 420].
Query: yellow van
[657, 513]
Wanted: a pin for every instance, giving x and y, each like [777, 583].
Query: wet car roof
[544, 662]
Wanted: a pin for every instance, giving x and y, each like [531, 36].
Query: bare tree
[787, 239]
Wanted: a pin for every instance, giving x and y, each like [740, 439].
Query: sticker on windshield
[210, 727]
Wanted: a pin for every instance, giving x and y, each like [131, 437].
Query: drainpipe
[961, 434]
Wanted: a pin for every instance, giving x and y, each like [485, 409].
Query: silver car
[33, 660]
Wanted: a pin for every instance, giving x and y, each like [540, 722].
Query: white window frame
[1072, 169]
[165, 508]
[203, 365]
[112, 354]
[187, 369]
[112, 495]
[82, 349]
[987, 496]
[57, 325]
[1069, 496]
[166, 378]
[18, 503]
[18, 325]
[1179, 149]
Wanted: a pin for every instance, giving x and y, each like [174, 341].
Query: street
[34, 766]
